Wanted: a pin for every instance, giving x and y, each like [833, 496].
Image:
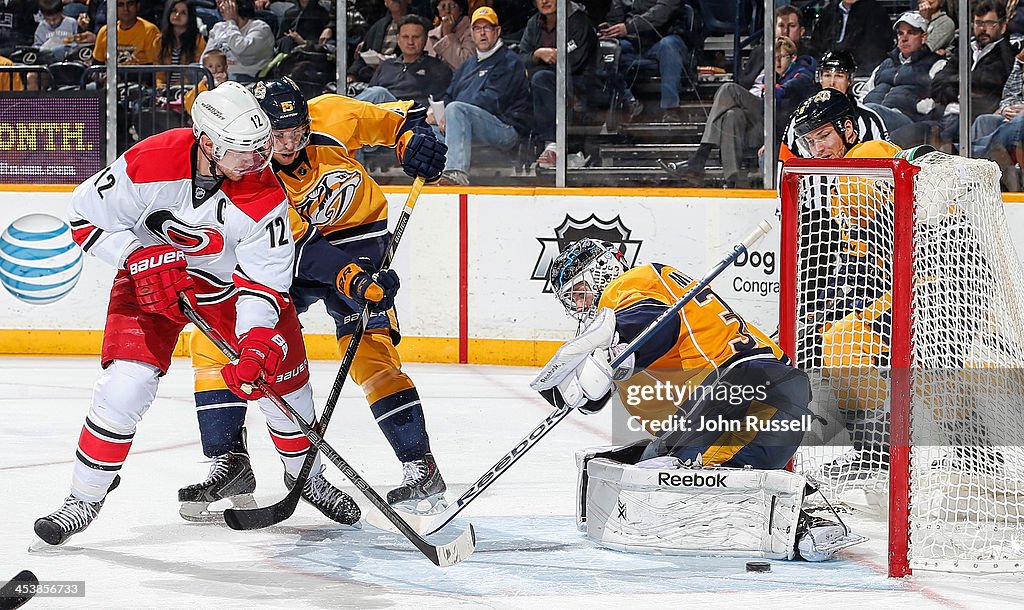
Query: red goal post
[901, 173]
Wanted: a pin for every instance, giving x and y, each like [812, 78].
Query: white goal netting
[958, 336]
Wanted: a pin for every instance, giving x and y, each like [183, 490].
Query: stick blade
[9, 599]
[265, 516]
[423, 524]
[456, 551]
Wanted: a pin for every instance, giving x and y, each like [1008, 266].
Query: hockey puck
[759, 566]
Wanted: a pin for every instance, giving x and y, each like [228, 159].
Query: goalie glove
[580, 372]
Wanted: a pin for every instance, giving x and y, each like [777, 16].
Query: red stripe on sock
[102, 450]
[293, 444]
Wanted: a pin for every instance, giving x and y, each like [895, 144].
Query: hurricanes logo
[192, 240]
[572, 230]
[333, 194]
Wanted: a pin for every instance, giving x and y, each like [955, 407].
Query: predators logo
[330, 198]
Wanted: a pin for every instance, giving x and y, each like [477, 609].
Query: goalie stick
[265, 516]
[442, 555]
[430, 523]
[18, 590]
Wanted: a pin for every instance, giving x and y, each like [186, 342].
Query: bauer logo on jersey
[572, 230]
[333, 194]
[192, 240]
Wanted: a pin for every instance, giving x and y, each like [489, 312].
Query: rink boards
[474, 265]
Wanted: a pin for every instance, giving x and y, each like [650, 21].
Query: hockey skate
[328, 499]
[818, 539]
[72, 517]
[855, 465]
[230, 478]
[971, 460]
[421, 481]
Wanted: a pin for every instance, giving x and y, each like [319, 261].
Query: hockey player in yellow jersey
[339, 222]
[853, 305]
[720, 368]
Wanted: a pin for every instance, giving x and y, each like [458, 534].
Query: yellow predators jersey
[326, 186]
[704, 337]
[708, 335]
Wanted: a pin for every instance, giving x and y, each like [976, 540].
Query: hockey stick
[256, 518]
[442, 555]
[18, 590]
[430, 523]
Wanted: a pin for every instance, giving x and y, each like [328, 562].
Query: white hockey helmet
[240, 131]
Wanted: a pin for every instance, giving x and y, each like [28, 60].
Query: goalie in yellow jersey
[708, 354]
[339, 222]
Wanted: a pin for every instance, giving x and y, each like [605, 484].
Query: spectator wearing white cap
[904, 77]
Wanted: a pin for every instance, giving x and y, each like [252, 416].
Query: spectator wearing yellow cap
[487, 102]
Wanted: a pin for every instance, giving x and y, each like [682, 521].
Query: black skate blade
[11, 597]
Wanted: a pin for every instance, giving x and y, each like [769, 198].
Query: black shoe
[689, 174]
[72, 517]
[421, 480]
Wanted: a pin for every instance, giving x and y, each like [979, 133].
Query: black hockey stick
[442, 555]
[18, 590]
[265, 516]
[430, 523]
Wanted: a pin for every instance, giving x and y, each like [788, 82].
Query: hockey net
[902, 297]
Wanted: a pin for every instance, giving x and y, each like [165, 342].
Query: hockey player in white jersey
[195, 213]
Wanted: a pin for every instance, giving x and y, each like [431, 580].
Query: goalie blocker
[659, 506]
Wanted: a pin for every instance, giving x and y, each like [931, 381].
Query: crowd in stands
[487, 68]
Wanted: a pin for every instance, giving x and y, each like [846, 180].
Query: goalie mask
[581, 273]
[286, 106]
[239, 130]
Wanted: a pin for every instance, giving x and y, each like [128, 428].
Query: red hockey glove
[160, 275]
[260, 353]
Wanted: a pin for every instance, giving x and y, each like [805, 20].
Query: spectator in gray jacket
[941, 28]
[413, 75]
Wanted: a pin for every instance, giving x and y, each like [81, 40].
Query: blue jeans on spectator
[893, 119]
[668, 53]
[466, 124]
[543, 85]
[982, 130]
[1009, 135]
[376, 95]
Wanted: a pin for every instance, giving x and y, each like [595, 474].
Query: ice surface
[140, 553]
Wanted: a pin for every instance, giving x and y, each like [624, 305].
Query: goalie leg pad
[626, 454]
[685, 511]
